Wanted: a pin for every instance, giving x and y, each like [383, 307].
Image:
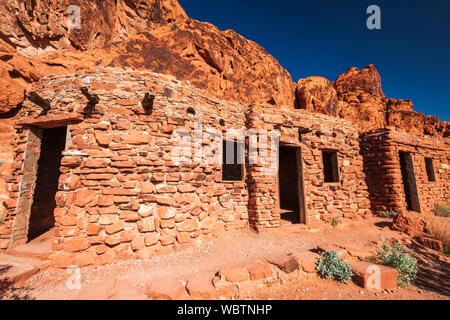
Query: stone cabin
[97, 168]
[402, 168]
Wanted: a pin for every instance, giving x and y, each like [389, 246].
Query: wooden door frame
[409, 180]
[28, 182]
[301, 194]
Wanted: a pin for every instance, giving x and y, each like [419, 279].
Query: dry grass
[442, 211]
[439, 229]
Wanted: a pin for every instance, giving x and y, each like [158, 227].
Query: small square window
[330, 166]
[233, 161]
[430, 170]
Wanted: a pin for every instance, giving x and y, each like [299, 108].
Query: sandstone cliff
[150, 34]
[316, 94]
[357, 95]
[158, 35]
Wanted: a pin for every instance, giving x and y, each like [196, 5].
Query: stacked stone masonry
[122, 196]
[381, 150]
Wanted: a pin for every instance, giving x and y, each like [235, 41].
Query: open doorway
[290, 180]
[42, 218]
[409, 182]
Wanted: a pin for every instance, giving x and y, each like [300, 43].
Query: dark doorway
[291, 186]
[409, 182]
[42, 218]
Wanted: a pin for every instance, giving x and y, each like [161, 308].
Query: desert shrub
[396, 257]
[442, 211]
[335, 222]
[1, 222]
[331, 267]
[391, 214]
[174, 27]
[439, 229]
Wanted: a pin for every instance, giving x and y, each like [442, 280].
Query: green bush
[396, 257]
[388, 214]
[1, 222]
[174, 27]
[331, 267]
[442, 211]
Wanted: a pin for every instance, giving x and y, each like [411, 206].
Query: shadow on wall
[11, 113]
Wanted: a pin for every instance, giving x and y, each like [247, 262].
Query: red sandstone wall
[324, 201]
[121, 196]
[6, 155]
[381, 171]
[382, 166]
[446, 166]
[430, 193]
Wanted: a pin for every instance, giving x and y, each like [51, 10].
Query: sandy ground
[245, 247]
[319, 289]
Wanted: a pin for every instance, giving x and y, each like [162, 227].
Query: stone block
[286, 263]
[235, 274]
[374, 277]
[201, 287]
[165, 288]
[259, 270]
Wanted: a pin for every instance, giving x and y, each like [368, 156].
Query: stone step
[38, 249]
[41, 256]
[374, 277]
[17, 269]
[289, 228]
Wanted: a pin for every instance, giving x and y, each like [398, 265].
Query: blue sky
[326, 37]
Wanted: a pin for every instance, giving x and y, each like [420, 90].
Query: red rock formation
[222, 64]
[355, 82]
[316, 94]
[17, 74]
[360, 98]
[410, 222]
[154, 35]
[38, 26]
[157, 35]
[356, 95]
